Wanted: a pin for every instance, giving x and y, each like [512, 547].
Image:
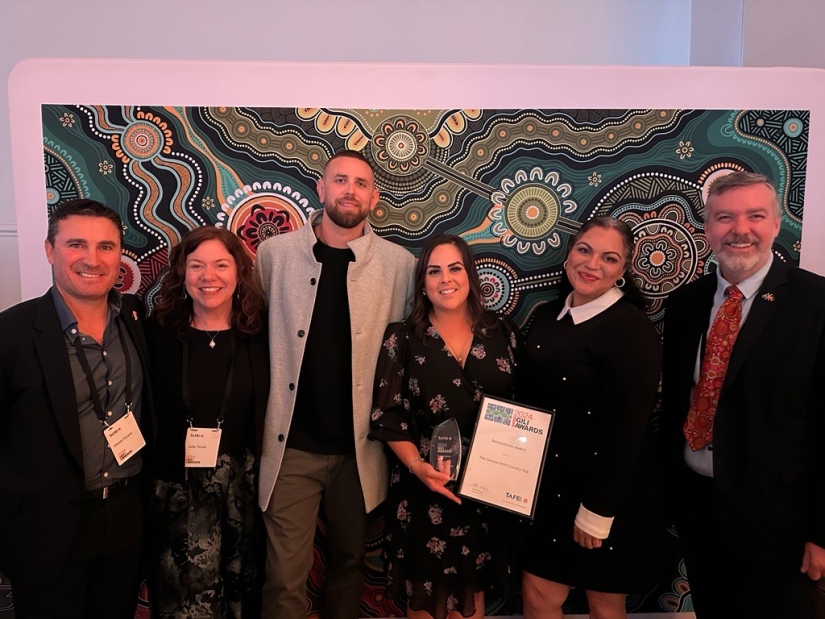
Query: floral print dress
[436, 552]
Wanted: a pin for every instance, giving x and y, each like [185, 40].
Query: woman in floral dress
[444, 553]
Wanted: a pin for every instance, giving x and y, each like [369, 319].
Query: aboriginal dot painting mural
[516, 184]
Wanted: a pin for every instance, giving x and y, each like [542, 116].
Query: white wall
[716, 33]
[784, 33]
[631, 32]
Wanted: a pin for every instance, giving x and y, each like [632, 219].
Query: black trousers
[724, 584]
[100, 577]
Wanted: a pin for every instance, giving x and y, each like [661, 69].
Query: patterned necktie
[698, 428]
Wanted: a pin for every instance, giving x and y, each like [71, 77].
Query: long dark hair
[631, 289]
[422, 306]
[175, 312]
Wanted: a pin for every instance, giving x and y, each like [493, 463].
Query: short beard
[342, 219]
[735, 266]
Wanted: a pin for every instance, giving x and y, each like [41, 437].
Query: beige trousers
[304, 480]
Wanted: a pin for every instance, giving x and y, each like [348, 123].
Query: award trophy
[445, 448]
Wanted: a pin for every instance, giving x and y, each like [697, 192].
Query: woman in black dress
[210, 370]
[444, 553]
[594, 358]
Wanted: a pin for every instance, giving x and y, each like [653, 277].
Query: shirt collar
[748, 287]
[67, 320]
[582, 313]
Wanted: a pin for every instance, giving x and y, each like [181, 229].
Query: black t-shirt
[208, 370]
[322, 421]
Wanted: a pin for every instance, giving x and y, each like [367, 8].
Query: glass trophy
[445, 448]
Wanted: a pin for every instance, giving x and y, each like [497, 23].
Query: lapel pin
[134, 315]
[768, 297]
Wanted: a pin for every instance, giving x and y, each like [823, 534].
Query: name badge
[124, 438]
[202, 447]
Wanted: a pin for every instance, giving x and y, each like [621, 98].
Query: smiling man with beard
[333, 286]
[744, 369]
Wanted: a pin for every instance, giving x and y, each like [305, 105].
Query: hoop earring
[564, 264]
[621, 279]
[184, 295]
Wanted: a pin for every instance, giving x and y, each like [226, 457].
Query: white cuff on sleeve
[593, 524]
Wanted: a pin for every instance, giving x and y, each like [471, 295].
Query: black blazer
[166, 352]
[769, 428]
[41, 461]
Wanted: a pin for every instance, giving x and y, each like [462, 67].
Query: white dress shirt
[701, 460]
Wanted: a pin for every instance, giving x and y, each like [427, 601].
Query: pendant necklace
[450, 349]
[452, 352]
[211, 337]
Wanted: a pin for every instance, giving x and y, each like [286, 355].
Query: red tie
[698, 428]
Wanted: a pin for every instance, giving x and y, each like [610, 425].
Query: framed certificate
[506, 458]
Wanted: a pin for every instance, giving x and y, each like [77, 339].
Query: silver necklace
[450, 349]
[211, 337]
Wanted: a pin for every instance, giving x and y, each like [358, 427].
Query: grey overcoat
[380, 287]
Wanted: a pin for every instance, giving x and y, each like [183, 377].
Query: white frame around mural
[36, 82]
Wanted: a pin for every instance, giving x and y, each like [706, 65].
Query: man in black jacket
[74, 418]
[743, 377]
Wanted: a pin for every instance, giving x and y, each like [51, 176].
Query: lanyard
[227, 389]
[87, 370]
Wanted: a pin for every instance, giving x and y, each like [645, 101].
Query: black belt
[115, 488]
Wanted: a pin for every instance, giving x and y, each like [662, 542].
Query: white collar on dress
[593, 308]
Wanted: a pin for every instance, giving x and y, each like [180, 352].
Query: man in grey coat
[333, 286]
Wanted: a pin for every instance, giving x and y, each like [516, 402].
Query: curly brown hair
[175, 312]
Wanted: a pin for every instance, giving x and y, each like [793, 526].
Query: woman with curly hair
[210, 374]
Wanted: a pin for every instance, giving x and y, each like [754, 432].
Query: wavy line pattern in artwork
[516, 184]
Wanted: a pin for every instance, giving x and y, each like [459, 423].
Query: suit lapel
[768, 299]
[259, 359]
[50, 347]
[131, 319]
[696, 323]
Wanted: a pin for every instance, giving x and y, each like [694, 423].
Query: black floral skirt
[206, 542]
[440, 554]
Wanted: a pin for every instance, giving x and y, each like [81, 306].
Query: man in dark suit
[74, 413]
[744, 372]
